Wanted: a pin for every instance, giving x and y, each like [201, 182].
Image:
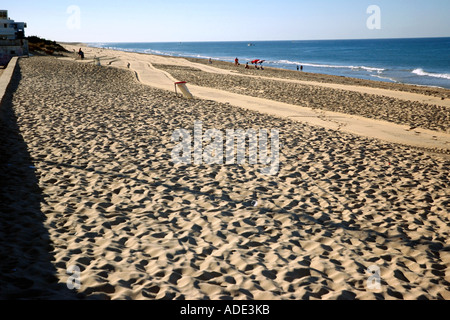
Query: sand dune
[140, 227]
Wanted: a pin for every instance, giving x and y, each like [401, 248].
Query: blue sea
[424, 61]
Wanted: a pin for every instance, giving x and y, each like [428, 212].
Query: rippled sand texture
[140, 227]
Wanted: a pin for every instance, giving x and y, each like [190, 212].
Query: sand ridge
[140, 227]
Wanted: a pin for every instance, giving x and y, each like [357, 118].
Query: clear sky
[228, 20]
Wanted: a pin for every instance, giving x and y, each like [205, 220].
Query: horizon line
[249, 41]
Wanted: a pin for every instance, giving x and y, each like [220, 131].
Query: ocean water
[424, 61]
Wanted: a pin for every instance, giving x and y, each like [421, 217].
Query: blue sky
[229, 20]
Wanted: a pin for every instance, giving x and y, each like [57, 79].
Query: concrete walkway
[5, 77]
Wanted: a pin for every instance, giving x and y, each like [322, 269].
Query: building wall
[6, 29]
[12, 48]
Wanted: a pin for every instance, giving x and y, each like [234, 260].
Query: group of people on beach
[256, 66]
[260, 62]
[236, 63]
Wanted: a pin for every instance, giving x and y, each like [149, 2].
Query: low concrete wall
[6, 76]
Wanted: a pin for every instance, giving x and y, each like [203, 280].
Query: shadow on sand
[26, 269]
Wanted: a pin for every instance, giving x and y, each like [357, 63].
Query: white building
[12, 38]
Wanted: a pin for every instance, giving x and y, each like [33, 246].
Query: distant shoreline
[403, 105]
[317, 57]
[320, 77]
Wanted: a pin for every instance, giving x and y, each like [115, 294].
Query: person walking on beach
[236, 62]
[301, 68]
[298, 68]
[81, 53]
[210, 61]
[246, 66]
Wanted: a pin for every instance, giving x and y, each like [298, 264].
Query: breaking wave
[421, 72]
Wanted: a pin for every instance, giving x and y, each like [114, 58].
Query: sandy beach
[377, 111]
[89, 182]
